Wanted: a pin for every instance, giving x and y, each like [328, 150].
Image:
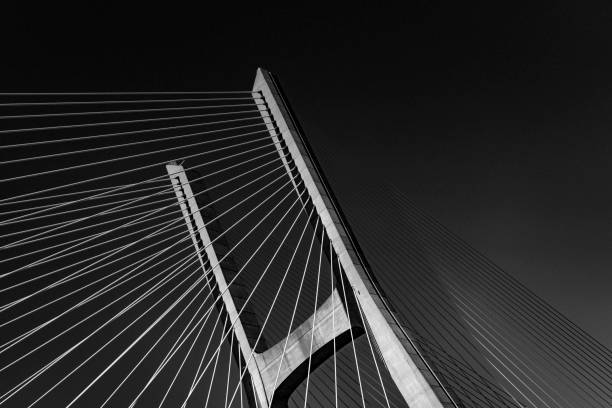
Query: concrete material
[415, 380]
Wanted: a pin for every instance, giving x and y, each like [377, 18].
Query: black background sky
[495, 120]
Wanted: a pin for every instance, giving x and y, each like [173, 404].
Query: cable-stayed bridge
[185, 249]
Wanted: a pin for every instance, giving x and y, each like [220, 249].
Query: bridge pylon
[338, 319]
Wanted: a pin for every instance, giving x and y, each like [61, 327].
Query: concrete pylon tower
[414, 379]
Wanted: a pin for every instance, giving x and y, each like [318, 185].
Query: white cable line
[99, 292]
[127, 205]
[132, 156]
[331, 276]
[221, 339]
[81, 288]
[511, 383]
[352, 336]
[89, 226]
[103, 194]
[99, 136]
[101, 257]
[369, 380]
[314, 320]
[129, 122]
[365, 327]
[240, 383]
[62, 254]
[297, 299]
[255, 399]
[50, 227]
[208, 344]
[148, 166]
[184, 259]
[143, 334]
[24, 383]
[113, 112]
[149, 141]
[210, 284]
[229, 369]
[123, 93]
[141, 218]
[28, 217]
[91, 315]
[157, 179]
[161, 336]
[46, 206]
[112, 102]
[63, 224]
[193, 343]
[87, 269]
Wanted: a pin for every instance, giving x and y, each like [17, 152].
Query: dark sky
[495, 120]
